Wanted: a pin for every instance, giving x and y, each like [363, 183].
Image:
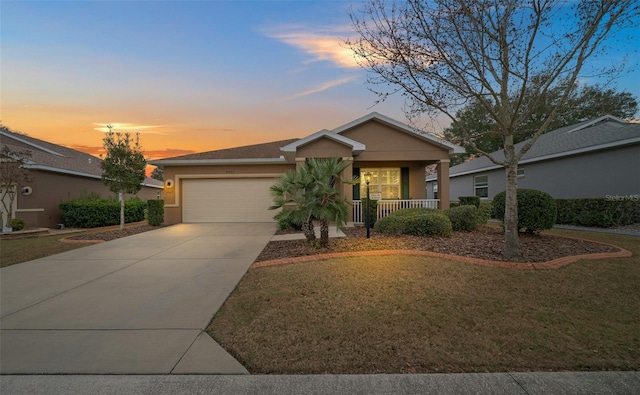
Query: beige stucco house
[232, 185]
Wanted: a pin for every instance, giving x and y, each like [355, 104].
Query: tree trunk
[511, 240]
[324, 233]
[121, 196]
[309, 232]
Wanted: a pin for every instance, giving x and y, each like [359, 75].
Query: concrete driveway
[137, 305]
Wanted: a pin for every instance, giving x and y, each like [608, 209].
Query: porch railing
[386, 207]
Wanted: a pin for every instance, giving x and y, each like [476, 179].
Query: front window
[481, 186]
[384, 183]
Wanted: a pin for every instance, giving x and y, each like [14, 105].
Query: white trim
[29, 210]
[59, 170]
[179, 177]
[218, 162]
[356, 146]
[78, 173]
[12, 136]
[595, 121]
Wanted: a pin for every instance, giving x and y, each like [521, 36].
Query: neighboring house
[232, 185]
[593, 159]
[59, 174]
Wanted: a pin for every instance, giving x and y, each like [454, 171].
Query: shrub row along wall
[593, 212]
[97, 213]
[598, 212]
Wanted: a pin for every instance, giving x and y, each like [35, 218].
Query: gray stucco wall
[598, 174]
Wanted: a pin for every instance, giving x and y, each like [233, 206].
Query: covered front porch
[386, 207]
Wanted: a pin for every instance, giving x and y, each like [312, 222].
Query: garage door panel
[227, 200]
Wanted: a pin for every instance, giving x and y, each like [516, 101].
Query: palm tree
[327, 203]
[312, 193]
[290, 194]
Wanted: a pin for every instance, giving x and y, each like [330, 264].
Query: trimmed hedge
[155, 212]
[536, 209]
[598, 212]
[416, 222]
[470, 200]
[484, 212]
[464, 218]
[98, 213]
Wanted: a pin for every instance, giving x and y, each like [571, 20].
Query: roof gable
[375, 116]
[289, 150]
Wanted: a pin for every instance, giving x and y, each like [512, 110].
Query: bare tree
[13, 173]
[504, 54]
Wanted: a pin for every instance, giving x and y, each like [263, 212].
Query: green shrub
[454, 204]
[155, 212]
[373, 211]
[464, 218]
[536, 209]
[408, 212]
[426, 224]
[17, 224]
[598, 212]
[390, 225]
[98, 213]
[470, 200]
[415, 221]
[484, 212]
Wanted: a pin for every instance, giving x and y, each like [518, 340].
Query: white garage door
[227, 200]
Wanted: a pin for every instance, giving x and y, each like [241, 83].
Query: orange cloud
[322, 46]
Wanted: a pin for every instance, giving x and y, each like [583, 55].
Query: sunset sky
[189, 76]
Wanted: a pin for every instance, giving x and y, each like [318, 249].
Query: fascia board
[218, 162]
[356, 146]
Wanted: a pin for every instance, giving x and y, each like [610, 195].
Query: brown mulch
[485, 243]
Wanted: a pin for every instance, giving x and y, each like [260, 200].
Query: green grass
[398, 314]
[14, 251]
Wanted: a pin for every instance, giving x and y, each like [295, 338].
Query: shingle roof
[599, 133]
[52, 157]
[265, 150]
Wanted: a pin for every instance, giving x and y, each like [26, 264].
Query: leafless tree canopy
[440, 54]
[503, 54]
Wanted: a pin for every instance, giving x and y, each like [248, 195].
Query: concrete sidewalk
[136, 305]
[441, 384]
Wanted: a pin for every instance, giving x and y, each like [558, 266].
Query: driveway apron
[136, 305]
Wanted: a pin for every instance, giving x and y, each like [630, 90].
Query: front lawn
[405, 314]
[14, 251]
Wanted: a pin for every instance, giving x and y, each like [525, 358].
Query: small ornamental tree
[12, 175]
[123, 168]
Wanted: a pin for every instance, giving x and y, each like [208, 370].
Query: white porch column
[443, 184]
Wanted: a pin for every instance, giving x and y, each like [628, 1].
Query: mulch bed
[485, 243]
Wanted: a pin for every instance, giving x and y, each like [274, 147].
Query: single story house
[599, 158]
[232, 185]
[59, 174]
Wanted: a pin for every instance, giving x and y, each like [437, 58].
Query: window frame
[378, 187]
[480, 186]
